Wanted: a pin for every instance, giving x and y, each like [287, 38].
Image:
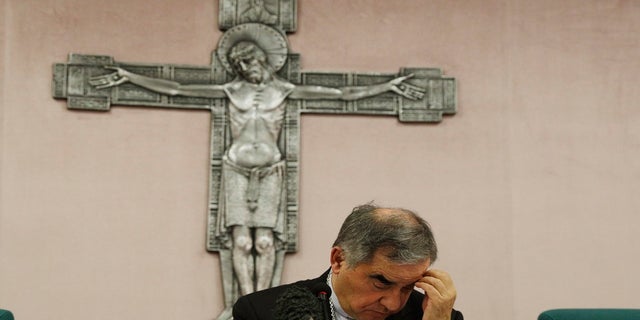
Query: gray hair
[402, 235]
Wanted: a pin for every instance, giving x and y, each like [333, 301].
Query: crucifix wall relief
[256, 93]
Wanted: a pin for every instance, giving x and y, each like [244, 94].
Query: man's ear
[337, 260]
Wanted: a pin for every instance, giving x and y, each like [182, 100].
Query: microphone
[297, 303]
[323, 292]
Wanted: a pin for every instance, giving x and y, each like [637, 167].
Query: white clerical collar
[337, 313]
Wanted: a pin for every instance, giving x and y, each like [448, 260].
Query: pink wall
[531, 187]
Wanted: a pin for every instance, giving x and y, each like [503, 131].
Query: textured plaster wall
[531, 188]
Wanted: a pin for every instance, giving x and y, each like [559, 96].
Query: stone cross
[233, 89]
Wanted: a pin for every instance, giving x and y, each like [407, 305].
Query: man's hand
[110, 80]
[440, 294]
[405, 89]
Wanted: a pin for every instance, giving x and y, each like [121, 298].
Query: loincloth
[252, 197]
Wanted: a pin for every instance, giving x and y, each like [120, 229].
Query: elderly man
[379, 257]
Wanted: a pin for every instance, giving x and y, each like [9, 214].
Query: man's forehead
[404, 281]
[396, 272]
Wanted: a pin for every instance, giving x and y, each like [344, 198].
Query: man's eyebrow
[381, 278]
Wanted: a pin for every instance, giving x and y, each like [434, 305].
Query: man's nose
[243, 66]
[393, 301]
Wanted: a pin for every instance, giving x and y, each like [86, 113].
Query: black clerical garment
[260, 305]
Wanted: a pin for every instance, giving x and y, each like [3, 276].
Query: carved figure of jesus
[253, 169]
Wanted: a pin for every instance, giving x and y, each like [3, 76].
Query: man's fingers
[429, 289]
[437, 282]
[440, 294]
[441, 275]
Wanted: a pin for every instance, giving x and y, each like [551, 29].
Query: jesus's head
[250, 62]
